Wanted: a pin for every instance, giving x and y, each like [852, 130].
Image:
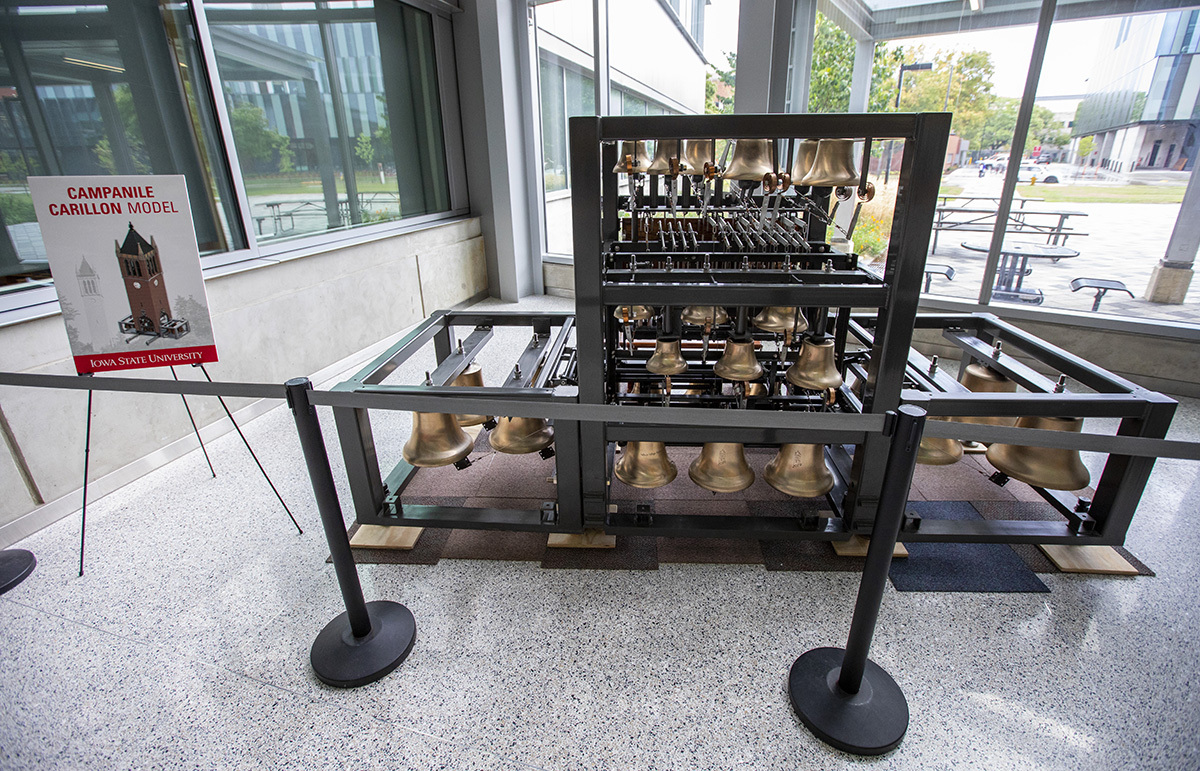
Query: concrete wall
[272, 323]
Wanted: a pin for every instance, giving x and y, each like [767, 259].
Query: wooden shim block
[588, 539]
[857, 547]
[1088, 559]
[386, 537]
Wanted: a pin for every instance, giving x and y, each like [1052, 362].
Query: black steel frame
[605, 279]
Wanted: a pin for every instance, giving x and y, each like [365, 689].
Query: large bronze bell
[517, 436]
[663, 153]
[722, 468]
[436, 440]
[633, 312]
[815, 370]
[804, 158]
[635, 151]
[704, 315]
[780, 319]
[738, 362]
[1049, 467]
[668, 357]
[980, 379]
[645, 465]
[800, 470]
[833, 166]
[751, 160]
[471, 377]
[696, 153]
[938, 451]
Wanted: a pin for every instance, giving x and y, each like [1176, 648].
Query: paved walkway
[1124, 242]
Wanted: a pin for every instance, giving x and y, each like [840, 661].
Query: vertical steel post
[845, 699]
[370, 639]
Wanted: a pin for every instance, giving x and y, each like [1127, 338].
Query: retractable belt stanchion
[370, 639]
[844, 698]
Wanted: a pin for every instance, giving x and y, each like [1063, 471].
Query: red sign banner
[106, 362]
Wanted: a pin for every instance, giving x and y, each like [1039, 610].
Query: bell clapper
[704, 344]
[666, 400]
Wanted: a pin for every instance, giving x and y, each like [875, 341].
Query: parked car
[1028, 172]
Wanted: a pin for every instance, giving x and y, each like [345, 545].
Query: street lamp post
[887, 169]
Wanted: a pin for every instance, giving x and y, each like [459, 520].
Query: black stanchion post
[844, 698]
[370, 639]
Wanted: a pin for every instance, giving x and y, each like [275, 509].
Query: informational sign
[123, 254]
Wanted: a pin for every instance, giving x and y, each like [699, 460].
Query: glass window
[1108, 168]
[104, 89]
[324, 140]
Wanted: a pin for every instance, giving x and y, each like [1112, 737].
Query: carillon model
[715, 273]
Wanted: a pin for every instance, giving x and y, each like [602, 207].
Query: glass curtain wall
[117, 88]
[639, 83]
[1115, 160]
[325, 140]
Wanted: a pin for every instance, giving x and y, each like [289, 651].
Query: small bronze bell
[1051, 468]
[471, 377]
[756, 389]
[635, 152]
[738, 362]
[815, 370]
[751, 160]
[722, 468]
[633, 312]
[436, 440]
[696, 153]
[833, 166]
[980, 379]
[517, 436]
[780, 319]
[645, 465]
[800, 470]
[937, 451]
[663, 153]
[704, 315]
[804, 158]
[668, 357]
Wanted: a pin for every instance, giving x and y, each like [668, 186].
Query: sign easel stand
[203, 449]
[250, 449]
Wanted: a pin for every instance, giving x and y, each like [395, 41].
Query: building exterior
[1144, 109]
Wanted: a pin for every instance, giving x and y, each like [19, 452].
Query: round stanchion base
[870, 722]
[15, 567]
[344, 661]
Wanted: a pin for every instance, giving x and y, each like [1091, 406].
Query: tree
[1085, 147]
[833, 71]
[364, 149]
[719, 86]
[259, 146]
[960, 81]
[1001, 122]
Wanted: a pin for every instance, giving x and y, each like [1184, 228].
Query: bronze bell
[804, 158]
[756, 389]
[696, 153]
[633, 312]
[517, 436]
[738, 362]
[834, 165]
[635, 151]
[780, 319]
[751, 160]
[668, 357]
[436, 440]
[815, 370]
[722, 468]
[704, 315]
[1051, 468]
[937, 451]
[799, 470]
[980, 379]
[471, 377]
[645, 465]
[663, 153]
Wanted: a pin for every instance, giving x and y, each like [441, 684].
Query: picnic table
[1014, 267]
[1051, 223]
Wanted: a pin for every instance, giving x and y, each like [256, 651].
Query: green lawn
[950, 190]
[291, 184]
[1104, 193]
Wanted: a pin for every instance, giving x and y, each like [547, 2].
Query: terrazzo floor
[185, 646]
